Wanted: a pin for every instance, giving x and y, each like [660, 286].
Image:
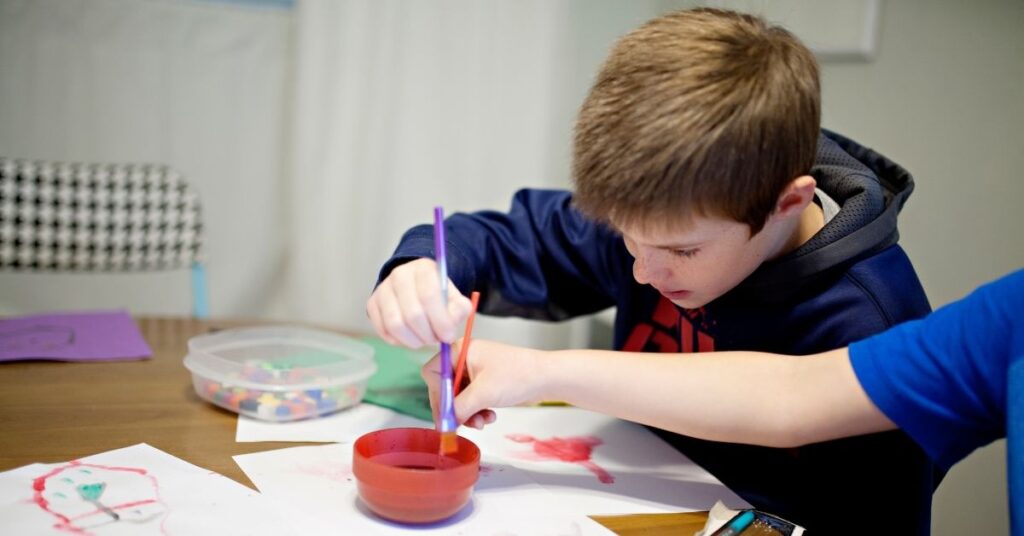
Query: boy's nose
[643, 270]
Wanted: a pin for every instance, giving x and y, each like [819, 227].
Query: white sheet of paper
[318, 480]
[620, 468]
[341, 427]
[149, 492]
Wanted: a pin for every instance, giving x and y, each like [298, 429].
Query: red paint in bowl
[400, 475]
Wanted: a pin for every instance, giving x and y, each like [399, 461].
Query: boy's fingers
[373, 311]
[408, 294]
[393, 318]
[433, 408]
[442, 327]
[470, 401]
[459, 307]
[481, 419]
[432, 377]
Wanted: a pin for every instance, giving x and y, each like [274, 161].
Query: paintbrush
[464, 350]
[446, 412]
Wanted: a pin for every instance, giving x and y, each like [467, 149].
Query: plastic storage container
[279, 373]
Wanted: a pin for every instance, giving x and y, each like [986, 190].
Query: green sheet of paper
[397, 384]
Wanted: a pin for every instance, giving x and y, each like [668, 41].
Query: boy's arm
[541, 260]
[738, 397]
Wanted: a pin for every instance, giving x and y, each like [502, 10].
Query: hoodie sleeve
[540, 260]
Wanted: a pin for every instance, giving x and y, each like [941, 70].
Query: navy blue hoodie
[544, 260]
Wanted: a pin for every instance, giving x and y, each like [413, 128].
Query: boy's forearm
[740, 397]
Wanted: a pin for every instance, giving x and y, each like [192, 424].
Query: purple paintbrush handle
[446, 410]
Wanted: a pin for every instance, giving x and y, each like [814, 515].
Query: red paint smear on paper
[336, 473]
[64, 522]
[565, 449]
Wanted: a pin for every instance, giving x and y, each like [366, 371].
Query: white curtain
[400, 106]
[196, 85]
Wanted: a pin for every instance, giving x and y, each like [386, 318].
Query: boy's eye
[685, 253]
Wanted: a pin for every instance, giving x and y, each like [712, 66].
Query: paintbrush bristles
[449, 443]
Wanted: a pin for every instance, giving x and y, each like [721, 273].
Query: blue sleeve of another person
[954, 380]
[945, 379]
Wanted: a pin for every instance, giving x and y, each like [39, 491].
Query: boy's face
[701, 261]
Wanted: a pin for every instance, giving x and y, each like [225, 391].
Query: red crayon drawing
[565, 449]
[130, 496]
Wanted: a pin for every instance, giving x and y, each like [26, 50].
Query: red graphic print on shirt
[671, 330]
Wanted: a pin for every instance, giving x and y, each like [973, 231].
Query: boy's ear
[795, 196]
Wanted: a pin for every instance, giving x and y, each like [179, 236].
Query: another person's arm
[943, 379]
[739, 397]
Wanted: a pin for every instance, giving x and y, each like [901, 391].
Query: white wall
[196, 85]
[945, 98]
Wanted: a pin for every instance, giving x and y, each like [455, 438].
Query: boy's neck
[812, 219]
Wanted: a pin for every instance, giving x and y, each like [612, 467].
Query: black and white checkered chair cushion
[96, 217]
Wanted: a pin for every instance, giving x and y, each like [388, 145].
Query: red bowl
[400, 475]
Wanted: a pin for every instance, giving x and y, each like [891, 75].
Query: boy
[717, 217]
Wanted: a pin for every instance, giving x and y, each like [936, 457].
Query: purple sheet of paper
[76, 336]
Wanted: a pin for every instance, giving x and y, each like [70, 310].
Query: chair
[75, 217]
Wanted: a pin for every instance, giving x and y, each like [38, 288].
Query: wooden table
[53, 412]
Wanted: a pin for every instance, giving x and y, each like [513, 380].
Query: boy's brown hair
[706, 112]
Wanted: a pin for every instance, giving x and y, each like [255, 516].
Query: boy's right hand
[406, 308]
[500, 375]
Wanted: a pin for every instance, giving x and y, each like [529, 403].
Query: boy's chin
[689, 302]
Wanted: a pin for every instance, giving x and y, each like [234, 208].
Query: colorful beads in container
[280, 373]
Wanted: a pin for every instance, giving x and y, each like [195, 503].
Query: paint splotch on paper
[576, 450]
[129, 496]
[336, 472]
[597, 464]
[137, 491]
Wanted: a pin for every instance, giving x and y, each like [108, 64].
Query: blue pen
[737, 524]
[446, 412]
